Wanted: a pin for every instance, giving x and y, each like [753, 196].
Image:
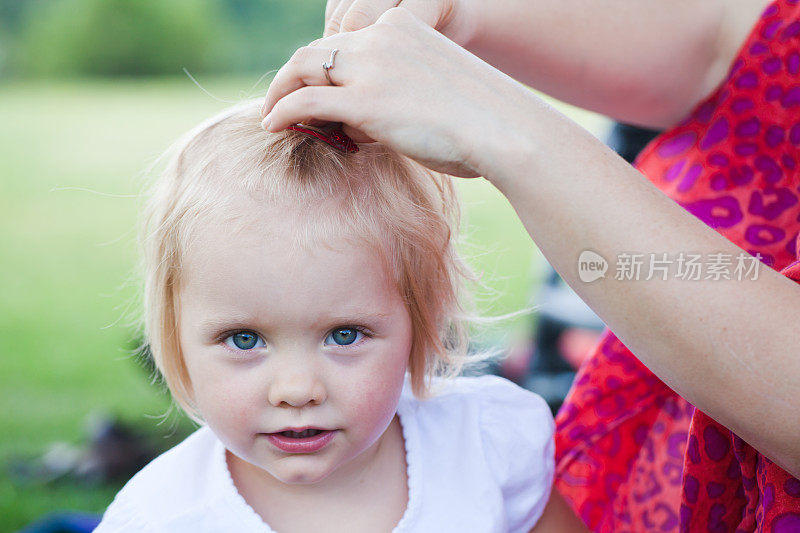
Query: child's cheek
[374, 396]
[227, 400]
[235, 406]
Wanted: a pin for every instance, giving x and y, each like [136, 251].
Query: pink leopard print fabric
[631, 454]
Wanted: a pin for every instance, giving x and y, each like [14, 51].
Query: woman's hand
[445, 16]
[403, 84]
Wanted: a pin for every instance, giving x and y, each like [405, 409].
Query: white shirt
[480, 458]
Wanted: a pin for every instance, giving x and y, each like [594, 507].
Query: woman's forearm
[730, 347]
[645, 62]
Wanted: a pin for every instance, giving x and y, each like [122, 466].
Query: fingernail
[266, 121]
[264, 108]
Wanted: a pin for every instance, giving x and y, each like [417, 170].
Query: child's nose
[297, 386]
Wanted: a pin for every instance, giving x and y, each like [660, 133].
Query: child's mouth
[308, 440]
[301, 434]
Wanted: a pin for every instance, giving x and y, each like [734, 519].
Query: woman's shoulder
[172, 483]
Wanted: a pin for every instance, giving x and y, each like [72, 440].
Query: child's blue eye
[344, 336]
[244, 340]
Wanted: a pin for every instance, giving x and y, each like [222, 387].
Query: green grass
[70, 157]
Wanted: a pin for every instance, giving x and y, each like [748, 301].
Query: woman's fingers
[401, 83]
[356, 135]
[334, 15]
[316, 106]
[353, 15]
[328, 104]
[363, 13]
[305, 68]
[434, 13]
[330, 8]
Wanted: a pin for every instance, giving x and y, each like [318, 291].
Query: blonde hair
[406, 213]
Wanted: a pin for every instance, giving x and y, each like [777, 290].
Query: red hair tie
[333, 136]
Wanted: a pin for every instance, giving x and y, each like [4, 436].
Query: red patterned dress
[631, 454]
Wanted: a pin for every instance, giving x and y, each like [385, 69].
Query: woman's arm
[728, 347]
[558, 517]
[646, 62]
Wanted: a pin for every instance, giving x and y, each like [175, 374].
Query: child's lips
[313, 440]
[300, 429]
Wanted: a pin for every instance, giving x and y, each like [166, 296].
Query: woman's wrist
[509, 152]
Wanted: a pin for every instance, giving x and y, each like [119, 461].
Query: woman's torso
[622, 436]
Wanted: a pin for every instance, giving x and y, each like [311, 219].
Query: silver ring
[329, 65]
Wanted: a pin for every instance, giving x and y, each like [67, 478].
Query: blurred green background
[91, 91]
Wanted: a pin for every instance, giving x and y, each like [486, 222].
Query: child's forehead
[254, 221]
[221, 265]
[303, 221]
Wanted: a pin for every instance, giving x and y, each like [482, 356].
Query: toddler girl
[301, 303]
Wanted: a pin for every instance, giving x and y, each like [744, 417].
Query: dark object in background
[629, 140]
[115, 453]
[562, 314]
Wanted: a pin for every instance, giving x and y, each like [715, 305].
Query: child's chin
[298, 474]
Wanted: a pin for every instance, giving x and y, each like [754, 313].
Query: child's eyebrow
[356, 318]
[217, 323]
